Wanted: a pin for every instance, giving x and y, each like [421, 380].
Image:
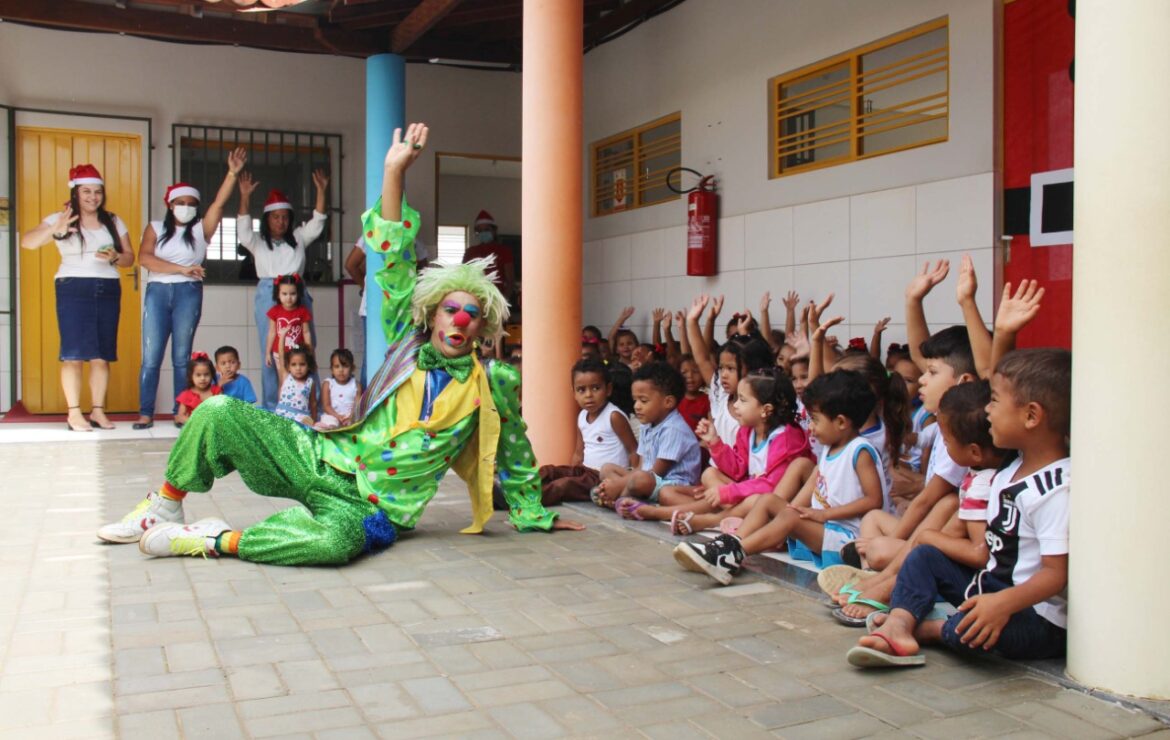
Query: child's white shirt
[601, 442]
[726, 425]
[837, 482]
[918, 425]
[342, 397]
[1027, 520]
[942, 465]
[805, 422]
[876, 436]
[974, 493]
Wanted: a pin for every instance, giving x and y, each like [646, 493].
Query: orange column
[551, 200]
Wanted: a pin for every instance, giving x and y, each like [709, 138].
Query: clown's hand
[560, 523]
[405, 149]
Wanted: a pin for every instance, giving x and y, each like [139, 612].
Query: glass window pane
[904, 93]
[815, 112]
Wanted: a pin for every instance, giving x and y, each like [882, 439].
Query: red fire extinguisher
[702, 218]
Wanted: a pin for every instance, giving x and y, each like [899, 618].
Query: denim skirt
[87, 318]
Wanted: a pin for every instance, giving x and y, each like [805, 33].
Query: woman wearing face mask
[484, 244]
[93, 244]
[278, 249]
[173, 251]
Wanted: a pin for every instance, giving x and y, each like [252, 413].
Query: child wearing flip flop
[668, 452]
[604, 437]
[827, 511]
[1016, 605]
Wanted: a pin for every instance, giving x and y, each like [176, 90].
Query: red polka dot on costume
[503, 420]
[446, 458]
[362, 466]
[391, 471]
[369, 235]
[372, 498]
[389, 265]
[406, 224]
[393, 443]
[385, 246]
[432, 435]
[477, 402]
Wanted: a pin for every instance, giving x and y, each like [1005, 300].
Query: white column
[1119, 600]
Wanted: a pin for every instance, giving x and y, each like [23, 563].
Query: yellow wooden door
[43, 159]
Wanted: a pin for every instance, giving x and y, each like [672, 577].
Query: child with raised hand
[768, 443]
[827, 511]
[200, 387]
[604, 437]
[288, 318]
[1016, 605]
[339, 393]
[296, 401]
[231, 383]
[668, 453]
[622, 341]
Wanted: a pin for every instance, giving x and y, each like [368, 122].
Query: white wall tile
[227, 305]
[674, 250]
[324, 306]
[941, 308]
[777, 280]
[614, 297]
[816, 282]
[615, 262]
[730, 251]
[646, 255]
[591, 265]
[956, 214]
[821, 231]
[877, 288]
[882, 224]
[592, 298]
[679, 291]
[645, 296]
[5, 287]
[768, 238]
[326, 342]
[5, 396]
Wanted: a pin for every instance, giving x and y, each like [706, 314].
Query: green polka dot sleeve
[515, 462]
[393, 243]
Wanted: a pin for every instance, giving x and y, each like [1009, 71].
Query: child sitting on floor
[1017, 604]
[827, 511]
[604, 437]
[695, 404]
[668, 453]
[339, 392]
[231, 383]
[767, 443]
[298, 399]
[200, 387]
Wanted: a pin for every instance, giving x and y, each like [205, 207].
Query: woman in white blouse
[173, 251]
[93, 244]
[278, 250]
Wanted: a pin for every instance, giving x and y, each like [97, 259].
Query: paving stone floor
[595, 633]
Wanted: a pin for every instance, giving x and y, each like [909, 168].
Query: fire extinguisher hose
[706, 182]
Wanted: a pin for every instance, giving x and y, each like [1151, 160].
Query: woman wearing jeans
[278, 250]
[93, 243]
[173, 251]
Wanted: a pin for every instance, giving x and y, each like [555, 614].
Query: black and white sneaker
[720, 558]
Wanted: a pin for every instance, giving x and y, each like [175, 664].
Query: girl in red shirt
[288, 313]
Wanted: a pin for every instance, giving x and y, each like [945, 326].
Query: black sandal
[140, 425]
[94, 424]
[72, 428]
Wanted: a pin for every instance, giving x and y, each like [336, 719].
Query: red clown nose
[462, 319]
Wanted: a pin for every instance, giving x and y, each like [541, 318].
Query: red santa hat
[178, 190]
[84, 174]
[485, 219]
[276, 201]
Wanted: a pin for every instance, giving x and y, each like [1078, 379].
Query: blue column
[385, 111]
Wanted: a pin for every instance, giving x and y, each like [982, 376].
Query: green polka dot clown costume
[431, 407]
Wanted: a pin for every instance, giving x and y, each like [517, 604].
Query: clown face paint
[456, 324]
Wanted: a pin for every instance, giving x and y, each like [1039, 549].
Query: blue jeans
[269, 380]
[172, 311]
[928, 574]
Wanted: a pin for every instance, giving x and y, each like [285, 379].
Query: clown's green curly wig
[473, 277]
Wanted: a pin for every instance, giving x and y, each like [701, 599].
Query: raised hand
[792, 300]
[406, 148]
[657, 314]
[248, 184]
[626, 313]
[716, 306]
[237, 158]
[816, 309]
[925, 281]
[698, 305]
[765, 301]
[1015, 311]
[65, 222]
[743, 323]
[680, 318]
[881, 325]
[967, 285]
[822, 328]
[667, 320]
[320, 179]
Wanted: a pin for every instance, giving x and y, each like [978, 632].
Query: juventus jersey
[1028, 519]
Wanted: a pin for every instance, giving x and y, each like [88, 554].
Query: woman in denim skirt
[93, 243]
[173, 251]
[278, 250]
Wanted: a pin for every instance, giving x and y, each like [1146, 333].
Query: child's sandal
[681, 525]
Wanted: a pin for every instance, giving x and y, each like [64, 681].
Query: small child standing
[668, 452]
[604, 437]
[288, 320]
[695, 405]
[1017, 604]
[827, 512]
[200, 386]
[297, 401]
[231, 383]
[340, 392]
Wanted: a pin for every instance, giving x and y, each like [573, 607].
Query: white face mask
[184, 214]
[485, 237]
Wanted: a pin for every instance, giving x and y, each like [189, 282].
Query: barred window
[629, 169]
[284, 160]
[884, 97]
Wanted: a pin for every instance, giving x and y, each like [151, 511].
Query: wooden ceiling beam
[422, 19]
[72, 14]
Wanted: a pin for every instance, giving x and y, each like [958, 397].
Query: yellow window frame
[641, 183]
[859, 123]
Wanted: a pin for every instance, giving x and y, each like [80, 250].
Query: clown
[430, 407]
